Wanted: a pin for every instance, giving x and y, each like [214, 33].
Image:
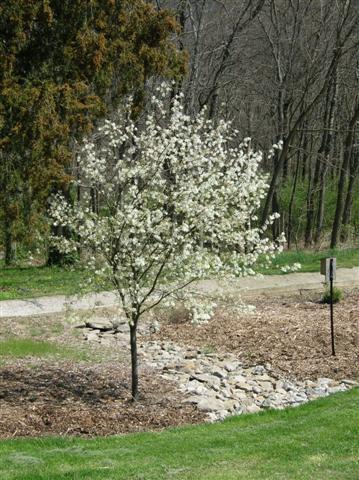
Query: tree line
[279, 70]
[284, 70]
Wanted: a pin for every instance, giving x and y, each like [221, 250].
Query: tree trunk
[325, 149]
[312, 190]
[134, 362]
[291, 204]
[8, 244]
[321, 204]
[275, 209]
[342, 179]
[349, 196]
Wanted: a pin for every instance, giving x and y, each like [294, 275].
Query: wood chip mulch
[69, 399]
[291, 333]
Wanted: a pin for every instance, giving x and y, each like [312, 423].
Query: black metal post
[331, 275]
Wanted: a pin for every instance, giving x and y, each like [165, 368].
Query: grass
[316, 441]
[23, 347]
[28, 282]
[310, 259]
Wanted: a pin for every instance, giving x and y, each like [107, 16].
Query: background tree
[280, 69]
[63, 65]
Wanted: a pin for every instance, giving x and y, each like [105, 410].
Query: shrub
[337, 295]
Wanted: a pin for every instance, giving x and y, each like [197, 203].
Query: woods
[279, 70]
[284, 70]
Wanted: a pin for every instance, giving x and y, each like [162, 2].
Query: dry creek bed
[278, 356]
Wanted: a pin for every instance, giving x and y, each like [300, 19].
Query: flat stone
[267, 386]
[324, 381]
[244, 386]
[264, 378]
[210, 405]
[122, 328]
[351, 383]
[98, 324]
[206, 378]
[336, 389]
[237, 379]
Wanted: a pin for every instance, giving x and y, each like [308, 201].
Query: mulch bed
[292, 333]
[53, 397]
[68, 399]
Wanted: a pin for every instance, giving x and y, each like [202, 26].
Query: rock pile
[218, 384]
[221, 385]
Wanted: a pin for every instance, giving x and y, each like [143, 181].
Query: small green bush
[337, 295]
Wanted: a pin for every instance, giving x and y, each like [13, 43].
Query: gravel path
[294, 282]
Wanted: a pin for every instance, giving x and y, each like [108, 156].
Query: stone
[336, 389]
[188, 367]
[122, 328]
[321, 382]
[287, 386]
[351, 383]
[259, 370]
[194, 386]
[189, 355]
[171, 366]
[209, 404]
[267, 386]
[231, 367]
[193, 400]
[279, 385]
[206, 378]
[264, 378]
[218, 372]
[237, 379]
[99, 324]
[252, 408]
[231, 405]
[244, 386]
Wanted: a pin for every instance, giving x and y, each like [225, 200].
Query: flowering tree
[177, 203]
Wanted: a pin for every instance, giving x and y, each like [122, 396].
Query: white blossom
[176, 203]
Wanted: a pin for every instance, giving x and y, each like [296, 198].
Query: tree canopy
[64, 64]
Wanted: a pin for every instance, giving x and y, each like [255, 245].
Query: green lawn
[317, 441]
[27, 282]
[310, 259]
[24, 347]
[30, 282]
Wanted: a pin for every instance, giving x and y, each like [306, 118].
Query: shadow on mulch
[20, 385]
[70, 399]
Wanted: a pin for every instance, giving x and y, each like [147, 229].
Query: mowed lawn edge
[319, 440]
[31, 282]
